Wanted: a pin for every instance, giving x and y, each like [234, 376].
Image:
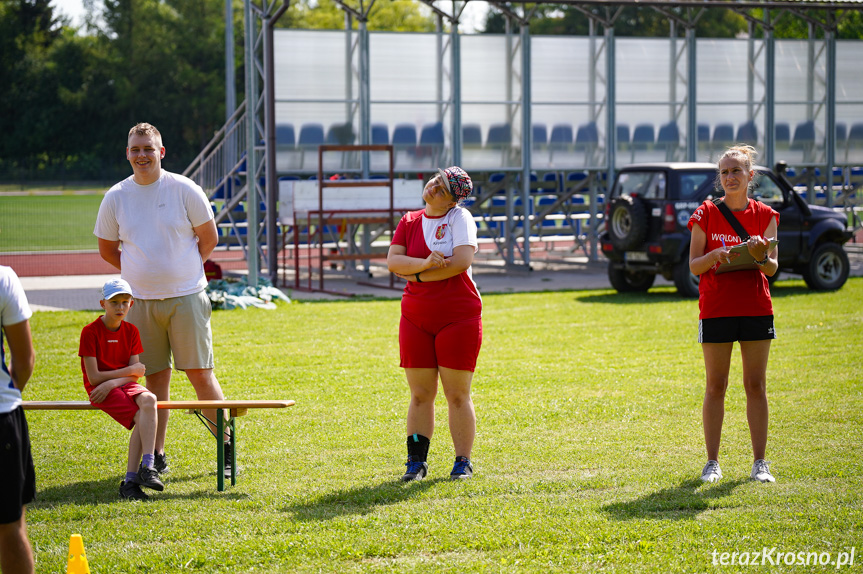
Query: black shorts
[17, 477]
[730, 329]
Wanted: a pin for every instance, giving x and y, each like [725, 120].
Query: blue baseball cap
[115, 287]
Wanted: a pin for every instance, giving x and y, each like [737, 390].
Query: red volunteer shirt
[112, 349]
[456, 297]
[737, 293]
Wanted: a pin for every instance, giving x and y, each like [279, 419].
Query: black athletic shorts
[17, 477]
[730, 329]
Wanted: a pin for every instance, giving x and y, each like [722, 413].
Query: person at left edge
[17, 475]
[164, 224]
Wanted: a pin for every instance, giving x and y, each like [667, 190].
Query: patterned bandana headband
[457, 182]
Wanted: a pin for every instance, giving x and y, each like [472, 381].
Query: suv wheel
[684, 280]
[828, 269]
[627, 223]
[625, 281]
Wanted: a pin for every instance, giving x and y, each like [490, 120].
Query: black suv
[648, 210]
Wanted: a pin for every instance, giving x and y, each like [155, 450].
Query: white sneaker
[761, 472]
[711, 472]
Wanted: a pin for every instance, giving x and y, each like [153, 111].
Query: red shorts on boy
[120, 404]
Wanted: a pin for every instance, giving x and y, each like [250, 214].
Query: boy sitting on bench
[109, 352]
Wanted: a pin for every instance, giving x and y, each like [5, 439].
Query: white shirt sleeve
[463, 228]
[107, 226]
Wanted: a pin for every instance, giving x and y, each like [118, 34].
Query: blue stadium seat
[703, 133]
[499, 136]
[723, 136]
[539, 134]
[622, 134]
[432, 135]
[841, 133]
[747, 133]
[782, 134]
[341, 134]
[804, 139]
[561, 136]
[471, 135]
[285, 135]
[405, 135]
[669, 136]
[311, 135]
[431, 143]
[644, 136]
[380, 134]
[587, 136]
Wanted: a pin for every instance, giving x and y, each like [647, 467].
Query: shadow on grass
[107, 491]
[683, 502]
[360, 500]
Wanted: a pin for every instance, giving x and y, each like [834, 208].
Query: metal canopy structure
[259, 173]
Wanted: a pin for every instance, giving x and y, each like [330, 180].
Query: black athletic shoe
[149, 478]
[461, 469]
[131, 491]
[228, 452]
[417, 470]
[160, 463]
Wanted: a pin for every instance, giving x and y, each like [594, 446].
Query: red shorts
[434, 343]
[120, 403]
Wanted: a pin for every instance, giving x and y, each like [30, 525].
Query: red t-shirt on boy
[736, 293]
[112, 349]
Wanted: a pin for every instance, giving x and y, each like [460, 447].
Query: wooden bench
[222, 424]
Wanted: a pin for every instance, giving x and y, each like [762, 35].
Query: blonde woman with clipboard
[734, 305]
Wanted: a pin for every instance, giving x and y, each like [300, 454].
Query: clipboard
[745, 262]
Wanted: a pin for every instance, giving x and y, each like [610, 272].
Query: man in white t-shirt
[164, 223]
[17, 477]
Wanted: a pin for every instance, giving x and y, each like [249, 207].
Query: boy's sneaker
[417, 470]
[711, 472]
[461, 469]
[228, 459]
[150, 478]
[160, 463]
[761, 471]
[131, 491]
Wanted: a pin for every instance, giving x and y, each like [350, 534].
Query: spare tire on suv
[627, 222]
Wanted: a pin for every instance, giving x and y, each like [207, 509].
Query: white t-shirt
[13, 310]
[154, 224]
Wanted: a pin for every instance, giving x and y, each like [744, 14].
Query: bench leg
[233, 426]
[220, 450]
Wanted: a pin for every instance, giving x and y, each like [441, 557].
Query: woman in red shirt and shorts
[440, 332]
[734, 306]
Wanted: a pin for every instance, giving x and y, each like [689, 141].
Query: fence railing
[222, 156]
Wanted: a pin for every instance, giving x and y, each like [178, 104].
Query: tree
[385, 15]
[633, 21]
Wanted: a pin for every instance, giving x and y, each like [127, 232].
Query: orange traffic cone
[77, 558]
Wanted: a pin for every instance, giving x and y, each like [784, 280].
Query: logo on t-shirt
[440, 232]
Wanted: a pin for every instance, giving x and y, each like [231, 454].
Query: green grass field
[587, 456]
[48, 222]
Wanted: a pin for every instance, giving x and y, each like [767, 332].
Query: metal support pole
[365, 96]
[610, 135]
[251, 145]
[769, 90]
[455, 90]
[830, 96]
[230, 72]
[525, 137]
[270, 180]
[691, 94]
